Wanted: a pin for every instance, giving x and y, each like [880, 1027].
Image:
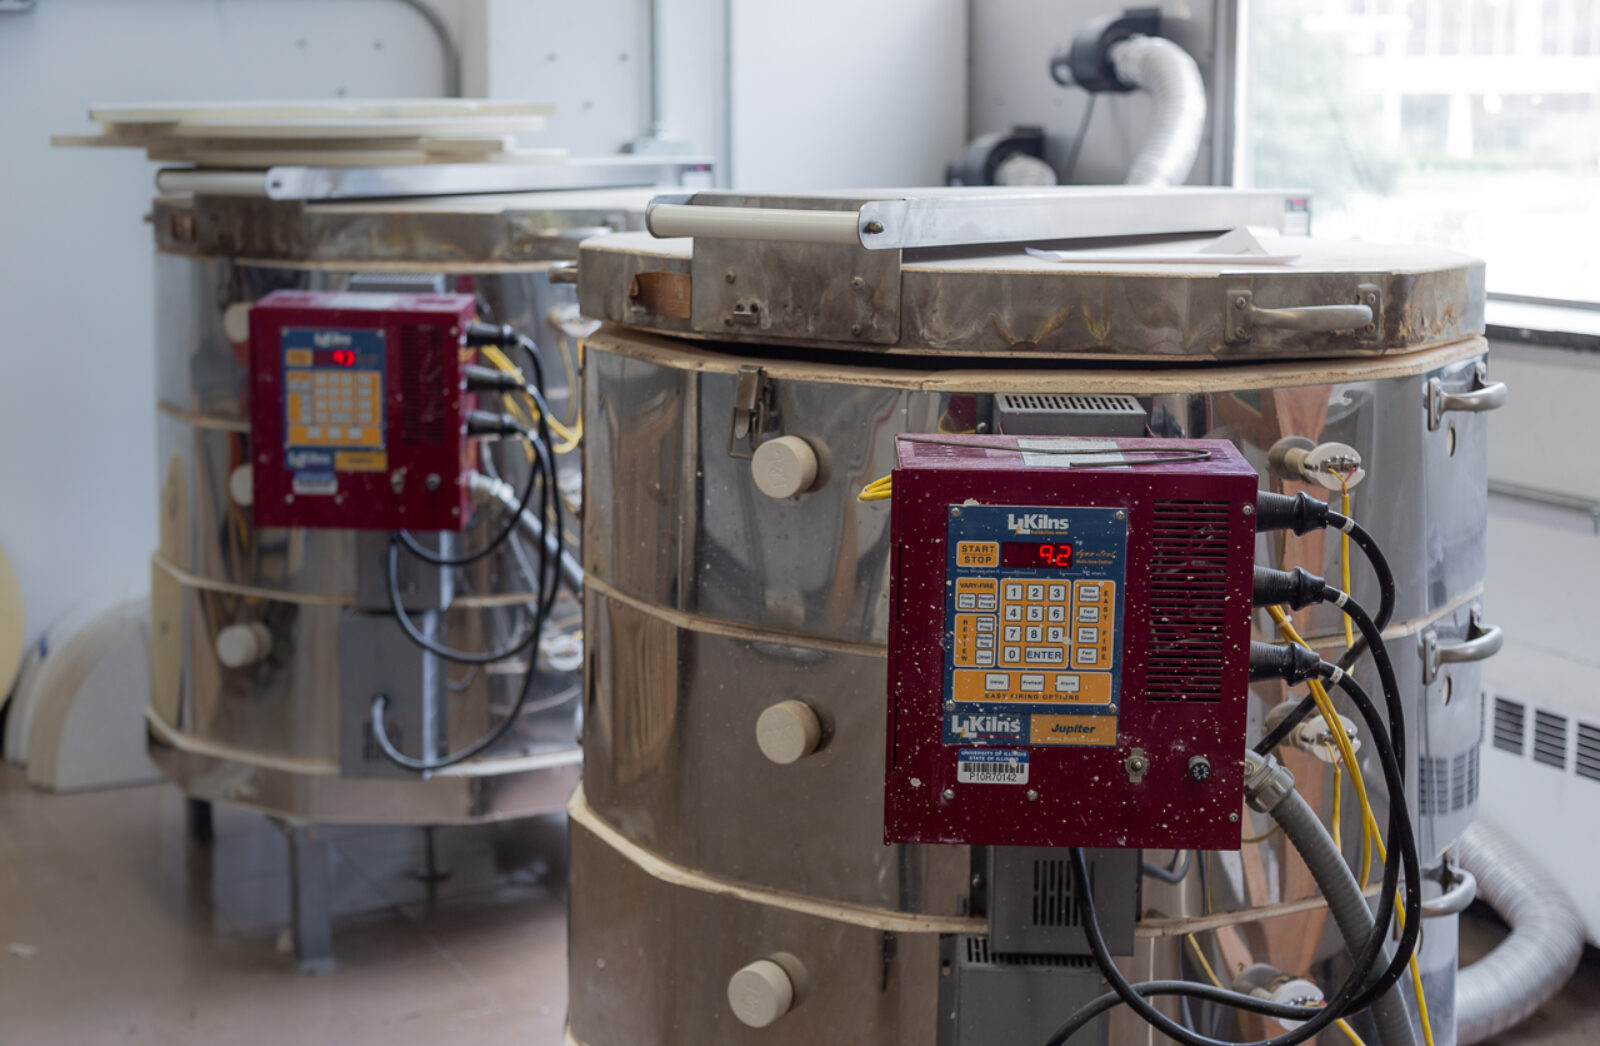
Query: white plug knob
[242, 485]
[788, 731]
[243, 643]
[760, 993]
[236, 322]
[1336, 466]
[784, 467]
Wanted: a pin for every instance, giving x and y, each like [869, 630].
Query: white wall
[826, 94]
[848, 94]
[77, 444]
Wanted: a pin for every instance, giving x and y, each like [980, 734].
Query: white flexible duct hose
[1532, 964]
[1166, 70]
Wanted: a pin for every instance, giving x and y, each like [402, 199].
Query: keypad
[1057, 623]
[334, 408]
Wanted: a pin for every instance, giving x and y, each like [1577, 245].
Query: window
[1472, 124]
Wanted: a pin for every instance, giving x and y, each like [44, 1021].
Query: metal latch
[755, 411]
[1484, 395]
[1482, 642]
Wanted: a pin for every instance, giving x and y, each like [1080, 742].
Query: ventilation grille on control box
[1188, 601]
[1074, 403]
[978, 953]
[423, 413]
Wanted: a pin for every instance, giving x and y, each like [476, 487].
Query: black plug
[481, 333]
[488, 423]
[1301, 513]
[1289, 661]
[491, 379]
[1293, 588]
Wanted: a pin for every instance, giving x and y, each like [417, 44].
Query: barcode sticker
[992, 766]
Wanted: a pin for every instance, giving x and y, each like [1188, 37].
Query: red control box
[357, 410]
[1069, 641]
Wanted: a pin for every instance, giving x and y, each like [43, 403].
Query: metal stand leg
[201, 829]
[310, 899]
[431, 871]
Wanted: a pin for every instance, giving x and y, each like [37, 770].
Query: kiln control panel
[358, 410]
[1068, 641]
[1033, 622]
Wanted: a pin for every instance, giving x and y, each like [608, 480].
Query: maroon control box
[357, 410]
[1069, 641]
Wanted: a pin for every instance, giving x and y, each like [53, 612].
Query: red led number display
[1036, 555]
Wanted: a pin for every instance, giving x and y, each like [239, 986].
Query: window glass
[1472, 124]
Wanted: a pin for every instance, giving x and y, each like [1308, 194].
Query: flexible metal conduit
[1533, 963]
[1166, 70]
[1270, 789]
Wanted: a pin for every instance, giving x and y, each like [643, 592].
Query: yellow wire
[1329, 716]
[877, 490]
[1211, 975]
[571, 436]
[1325, 706]
[1268, 834]
[1200, 957]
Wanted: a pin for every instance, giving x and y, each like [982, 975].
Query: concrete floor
[114, 930]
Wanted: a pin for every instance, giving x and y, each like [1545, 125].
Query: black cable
[1071, 163]
[1303, 513]
[535, 360]
[1185, 989]
[545, 597]
[1369, 630]
[541, 604]
[433, 646]
[1275, 737]
[427, 555]
[1375, 558]
[1350, 996]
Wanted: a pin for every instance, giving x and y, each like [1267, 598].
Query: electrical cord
[483, 423]
[1100, 1004]
[1172, 874]
[1071, 163]
[1303, 513]
[542, 603]
[1299, 588]
[1351, 996]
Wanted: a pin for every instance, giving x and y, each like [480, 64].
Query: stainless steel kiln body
[707, 602]
[270, 735]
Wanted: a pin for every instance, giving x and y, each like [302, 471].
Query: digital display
[1036, 555]
[336, 358]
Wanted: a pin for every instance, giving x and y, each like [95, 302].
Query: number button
[1013, 612]
[1034, 634]
[1013, 591]
[1056, 634]
[1035, 613]
[1057, 614]
[1058, 593]
[1035, 593]
[1012, 655]
[1013, 633]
